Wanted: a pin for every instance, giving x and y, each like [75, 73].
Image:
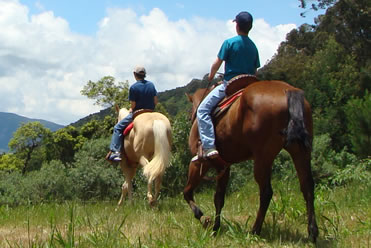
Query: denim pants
[205, 123]
[117, 135]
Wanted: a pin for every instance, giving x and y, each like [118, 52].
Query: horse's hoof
[205, 221]
[152, 204]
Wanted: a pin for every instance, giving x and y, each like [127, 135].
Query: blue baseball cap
[244, 20]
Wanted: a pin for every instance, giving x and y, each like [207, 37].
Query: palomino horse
[148, 145]
[268, 116]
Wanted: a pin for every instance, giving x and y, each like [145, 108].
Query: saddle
[135, 114]
[233, 91]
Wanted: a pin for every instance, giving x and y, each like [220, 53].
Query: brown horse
[148, 145]
[268, 116]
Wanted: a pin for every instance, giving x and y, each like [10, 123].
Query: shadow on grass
[271, 234]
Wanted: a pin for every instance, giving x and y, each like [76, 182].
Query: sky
[50, 49]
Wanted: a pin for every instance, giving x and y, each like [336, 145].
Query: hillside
[11, 122]
[175, 100]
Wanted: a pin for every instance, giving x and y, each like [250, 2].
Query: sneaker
[115, 157]
[211, 153]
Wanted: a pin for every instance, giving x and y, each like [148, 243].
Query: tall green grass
[343, 216]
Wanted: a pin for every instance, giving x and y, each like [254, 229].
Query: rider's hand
[210, 77]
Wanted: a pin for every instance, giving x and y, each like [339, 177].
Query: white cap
[140, 70]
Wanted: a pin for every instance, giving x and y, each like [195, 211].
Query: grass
[343, 216]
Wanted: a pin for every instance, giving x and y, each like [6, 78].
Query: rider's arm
[155, 99]
[132, 106]
[214, 68]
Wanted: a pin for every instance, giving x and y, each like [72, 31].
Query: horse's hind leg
[262, 174]
[194, 179]
[301, 160]
[157, 185]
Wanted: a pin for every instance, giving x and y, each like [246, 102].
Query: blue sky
[50, 49]
[83, 15]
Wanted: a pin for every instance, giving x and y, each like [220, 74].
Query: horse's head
[121, 113]
[196, 99]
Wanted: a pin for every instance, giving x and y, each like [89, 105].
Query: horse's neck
[123, 113]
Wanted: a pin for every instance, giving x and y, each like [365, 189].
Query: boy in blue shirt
[142, 95]
[240, 56]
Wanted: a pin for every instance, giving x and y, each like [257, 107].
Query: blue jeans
[205, 123]
[117, 135]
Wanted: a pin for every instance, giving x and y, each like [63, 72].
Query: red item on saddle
[127, 129]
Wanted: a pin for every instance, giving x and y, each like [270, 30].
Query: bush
[359, 171]
[12, 189]
[92, 176]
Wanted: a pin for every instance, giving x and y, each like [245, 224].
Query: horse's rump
[141, 140]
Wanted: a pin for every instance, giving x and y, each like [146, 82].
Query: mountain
[11, 122]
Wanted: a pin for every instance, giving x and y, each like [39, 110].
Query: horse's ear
[117, 108]
[190, 98]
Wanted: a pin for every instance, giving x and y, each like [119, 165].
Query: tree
[321, 4]
[26, 140]
[358, 113]
[9, 162]
[350, 23]
[63, 144]
[106, 93]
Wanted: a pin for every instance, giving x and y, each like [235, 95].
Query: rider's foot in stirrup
[115, 157]
[211, 153]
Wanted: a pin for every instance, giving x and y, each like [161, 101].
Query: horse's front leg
[127, 186]
[124, 190]
[194, 179]
[219, 195]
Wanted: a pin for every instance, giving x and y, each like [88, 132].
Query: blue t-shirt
[240, 56]
[142, 93]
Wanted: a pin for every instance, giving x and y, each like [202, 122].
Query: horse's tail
[296, 130]
[161, 157]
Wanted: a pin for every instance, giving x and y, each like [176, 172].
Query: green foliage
[358, 113]
[349, 22]
[326, 161]
[321, 4]
[10, 162]
[92, 176]
[358, 172]
[64, 143]
[106, 93]
[50, 183]
[26, 140]
[11, 188]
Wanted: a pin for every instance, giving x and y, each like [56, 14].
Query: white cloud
[44, 65]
